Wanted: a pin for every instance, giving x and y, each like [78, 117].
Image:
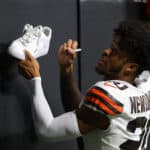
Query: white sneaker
[35, 39]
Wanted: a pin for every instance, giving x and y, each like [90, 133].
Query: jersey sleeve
[102, 101]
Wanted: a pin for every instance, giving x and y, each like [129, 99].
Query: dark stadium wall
[89, 21]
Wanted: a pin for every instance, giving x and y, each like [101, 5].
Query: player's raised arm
[70, 93]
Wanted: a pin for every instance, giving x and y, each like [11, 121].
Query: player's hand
[29, 67]
[67, 54]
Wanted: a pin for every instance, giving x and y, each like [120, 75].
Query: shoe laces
[31, 34]
[27, 27]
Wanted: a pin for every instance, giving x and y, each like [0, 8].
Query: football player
[114, 113]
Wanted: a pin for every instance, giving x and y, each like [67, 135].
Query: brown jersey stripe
[99, 105]
[109, 95]
[101, 100]
[107, 100]
[95, 107]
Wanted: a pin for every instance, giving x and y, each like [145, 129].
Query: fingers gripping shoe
[34, 39]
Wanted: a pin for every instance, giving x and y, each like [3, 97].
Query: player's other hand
[67, 54]
[29, 67]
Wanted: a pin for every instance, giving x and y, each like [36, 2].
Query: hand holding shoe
[29, 67]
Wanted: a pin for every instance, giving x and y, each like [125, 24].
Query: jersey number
[120, 86]
[143, 125]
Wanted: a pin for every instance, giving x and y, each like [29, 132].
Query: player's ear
[131, 68]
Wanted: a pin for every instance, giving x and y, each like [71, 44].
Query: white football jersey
[127, 107]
